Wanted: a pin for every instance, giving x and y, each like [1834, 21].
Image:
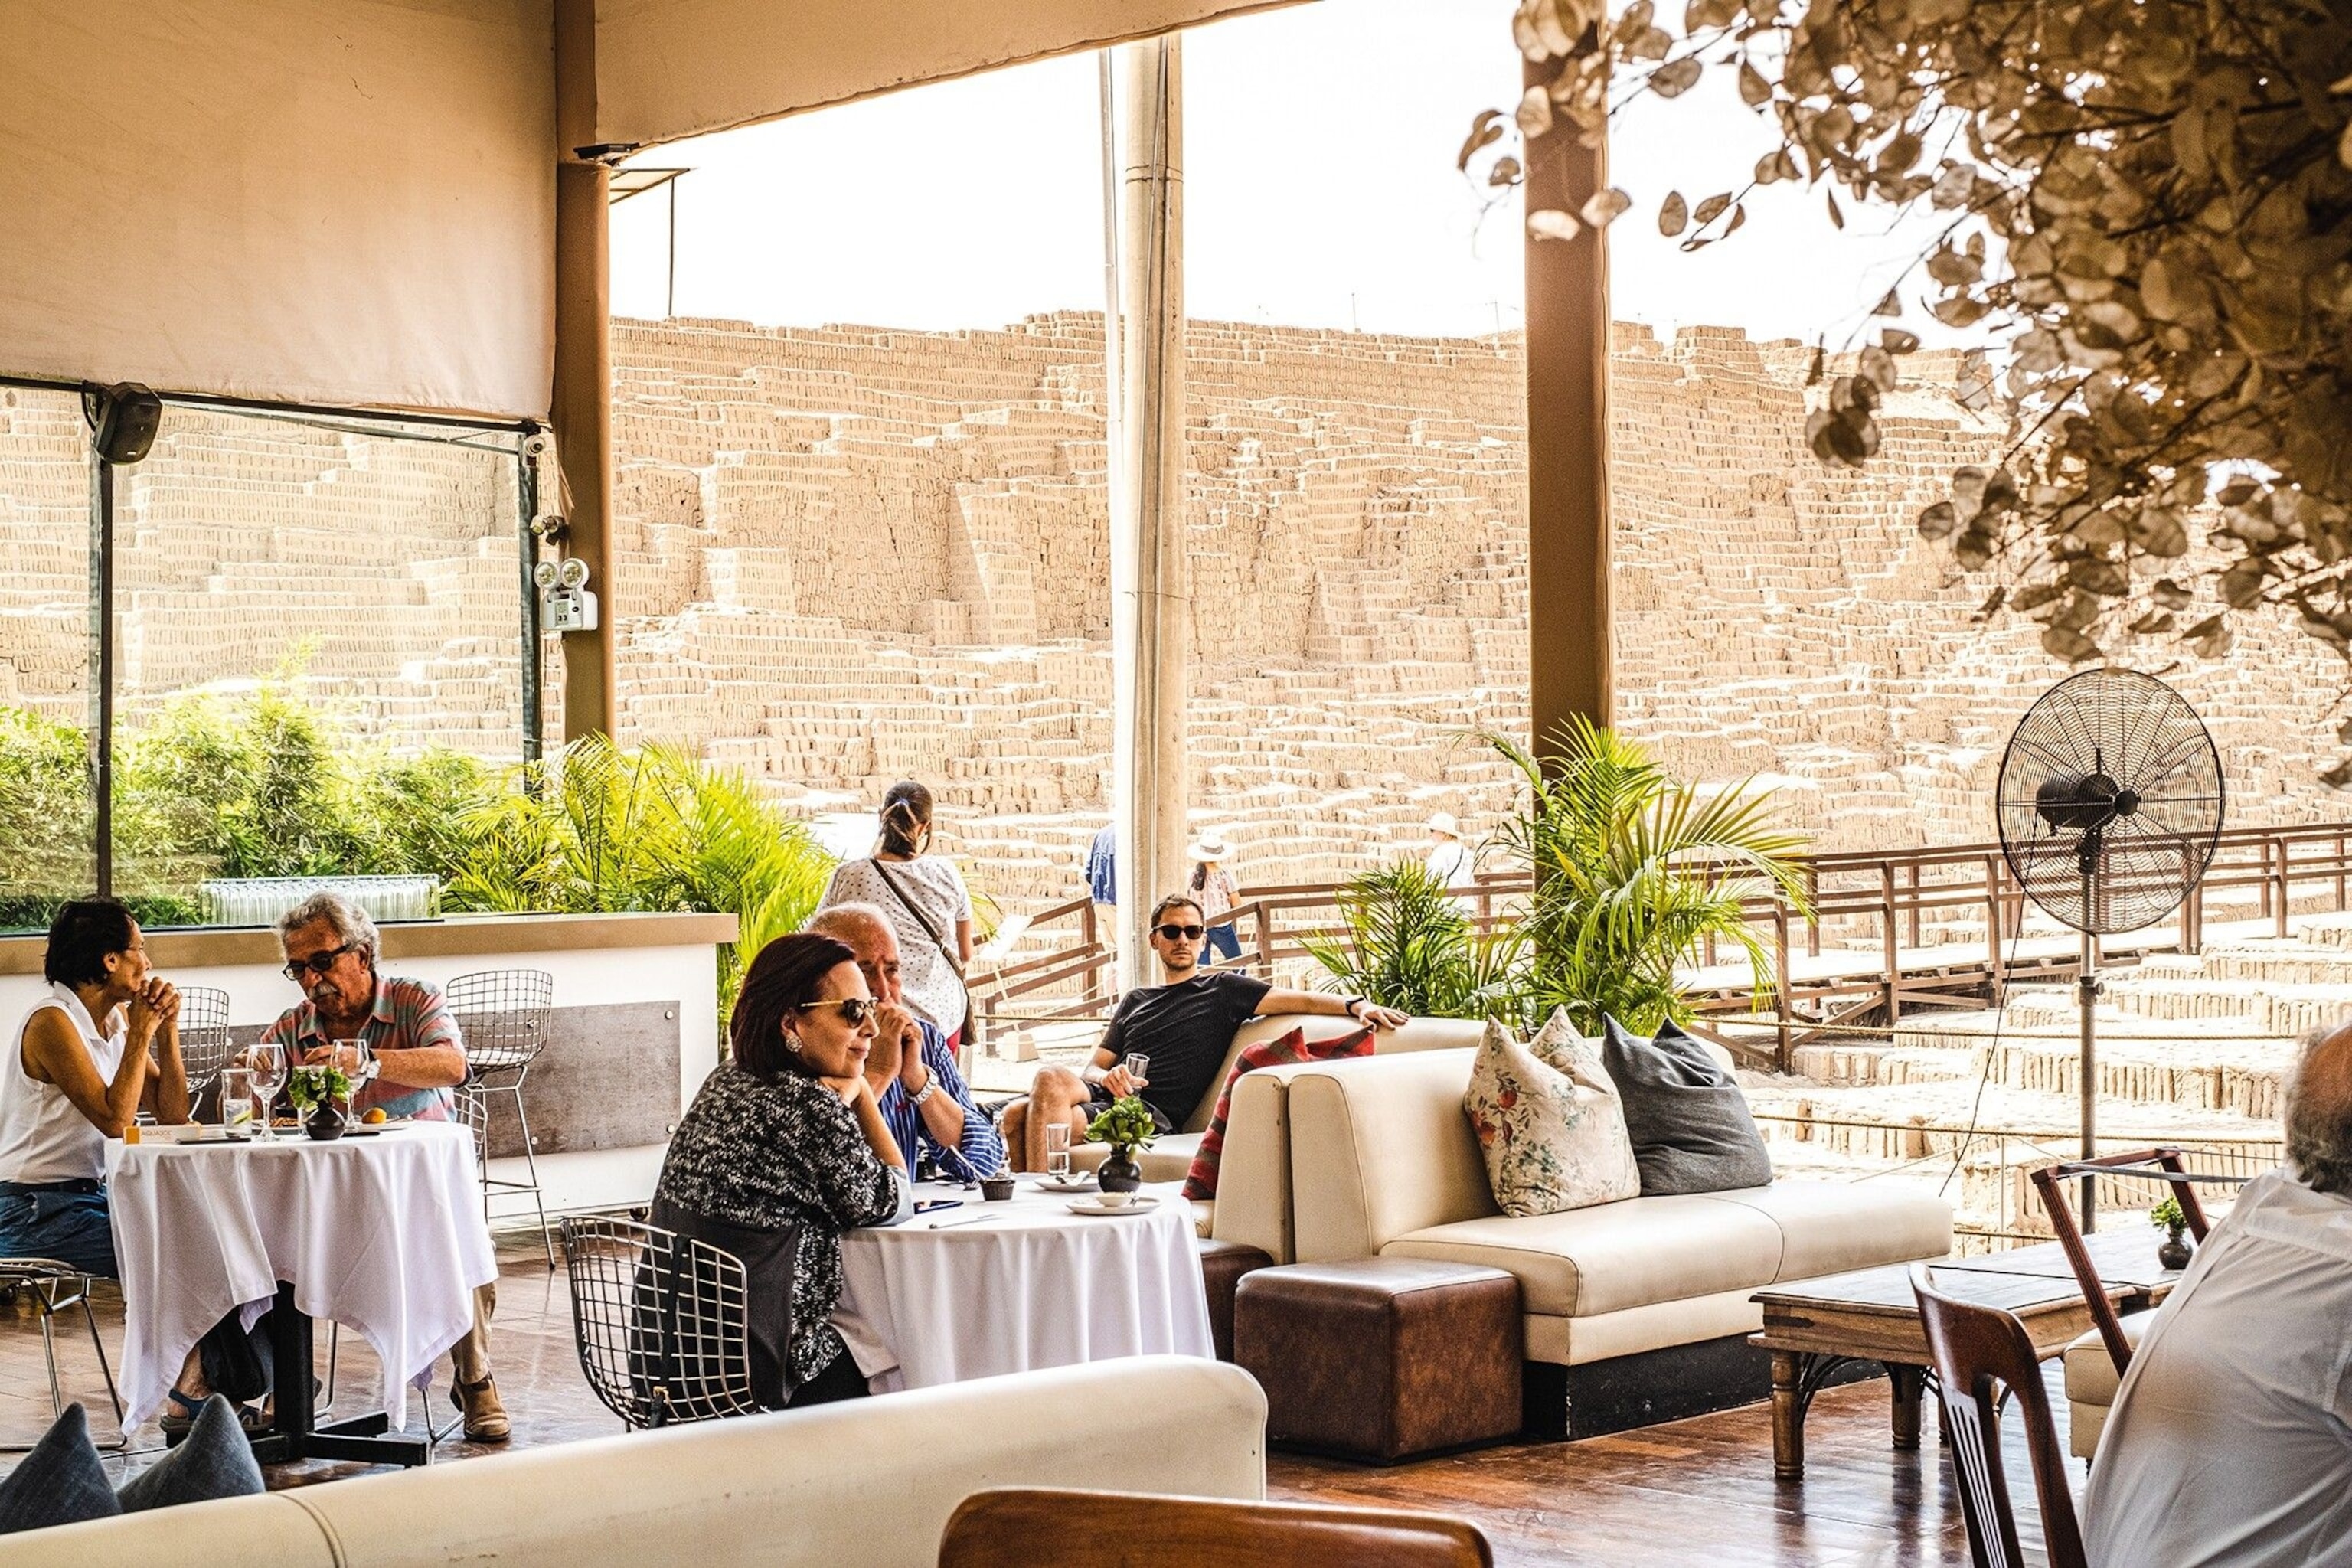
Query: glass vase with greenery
[1126, 1124]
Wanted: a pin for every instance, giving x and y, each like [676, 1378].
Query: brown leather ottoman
[1223, 1264]
[1379, 1357]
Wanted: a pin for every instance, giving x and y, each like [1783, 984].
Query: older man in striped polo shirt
[330, 948]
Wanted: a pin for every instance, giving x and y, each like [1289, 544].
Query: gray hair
[2319, 1112]
[843, 921]
[351, 923]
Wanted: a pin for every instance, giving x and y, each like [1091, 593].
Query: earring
[791, 1042]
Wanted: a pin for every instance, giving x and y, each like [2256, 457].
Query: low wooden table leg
[1788, 1417]
[1905, 1381]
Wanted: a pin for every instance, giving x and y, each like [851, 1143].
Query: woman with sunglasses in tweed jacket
[784, 1138]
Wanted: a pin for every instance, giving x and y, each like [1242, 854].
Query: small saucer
[1075, 1184]
[1136, 1204]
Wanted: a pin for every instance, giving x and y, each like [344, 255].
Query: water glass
[267, 1063]
[237, 1097]
[1057, 1150]
[1138, 1068]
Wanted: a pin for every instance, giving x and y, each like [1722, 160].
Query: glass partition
[47, 847]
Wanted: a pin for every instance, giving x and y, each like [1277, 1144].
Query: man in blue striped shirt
[921, 1095]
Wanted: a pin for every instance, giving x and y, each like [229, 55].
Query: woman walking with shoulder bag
[928, 908]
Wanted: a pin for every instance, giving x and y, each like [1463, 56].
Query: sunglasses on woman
[1181, 933]
[853, 1010]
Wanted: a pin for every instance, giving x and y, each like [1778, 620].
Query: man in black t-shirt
[1186, 1027]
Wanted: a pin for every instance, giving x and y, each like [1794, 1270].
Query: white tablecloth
[384, 1234]
[1030, 1286]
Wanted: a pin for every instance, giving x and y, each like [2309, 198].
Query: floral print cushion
[1553, 1135]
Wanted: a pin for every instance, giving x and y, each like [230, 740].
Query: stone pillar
[1151, 607]
[581, 413]
[1570, 656]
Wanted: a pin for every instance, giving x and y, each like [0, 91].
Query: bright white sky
[1319, 190]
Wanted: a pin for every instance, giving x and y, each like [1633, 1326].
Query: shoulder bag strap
[882, 870]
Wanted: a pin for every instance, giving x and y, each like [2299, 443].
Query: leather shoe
[486, 1418]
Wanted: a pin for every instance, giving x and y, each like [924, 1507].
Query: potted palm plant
[1125, 1124]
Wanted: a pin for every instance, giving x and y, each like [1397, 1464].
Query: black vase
[2172, 1252]
[1119, 1173]
[325, 1122]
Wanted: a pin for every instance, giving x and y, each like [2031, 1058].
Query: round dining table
[986, 1288]
[380, 1230]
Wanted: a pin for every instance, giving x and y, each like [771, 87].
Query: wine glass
[267, 1062]
[357, 1058]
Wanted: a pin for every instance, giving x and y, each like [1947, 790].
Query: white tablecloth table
[381, 1232]
[1031, 1285]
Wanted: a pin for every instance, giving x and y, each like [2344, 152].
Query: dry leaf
[1549, 222]
[1601, 208]
[1484, 131]
[1674, 214]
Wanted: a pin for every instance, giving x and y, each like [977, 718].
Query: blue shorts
[70, 1227]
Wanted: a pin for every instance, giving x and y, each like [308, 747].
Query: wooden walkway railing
[1946, 926]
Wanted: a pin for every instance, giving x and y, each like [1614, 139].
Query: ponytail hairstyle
[906, 819]
[1200, 875]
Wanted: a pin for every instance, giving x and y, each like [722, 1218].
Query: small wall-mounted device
[123, 420]
[565, 605]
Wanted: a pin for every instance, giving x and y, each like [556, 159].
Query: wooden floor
[1698, 1493]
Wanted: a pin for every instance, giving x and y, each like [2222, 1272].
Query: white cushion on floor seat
[2092, 1381]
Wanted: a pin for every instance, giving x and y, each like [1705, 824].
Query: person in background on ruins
[1213, 886]
[2230, 1441]
[925, 898]
[911, 1069]
[1102, 882]
[1185, 1026]
[1450, 860]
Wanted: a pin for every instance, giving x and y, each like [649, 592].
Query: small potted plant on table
[2172, 1252]
[1126, 1124]
[321, 1093]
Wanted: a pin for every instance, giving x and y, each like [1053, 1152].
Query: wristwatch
[1350, 1005]
[930, 1087]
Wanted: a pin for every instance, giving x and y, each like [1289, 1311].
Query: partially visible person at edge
[1212, 889]
[786, 1135]
[1102, 877]
[1185, 1026]
[925, 898]
[2230, 1444]
[911, 1068]
[330, 946]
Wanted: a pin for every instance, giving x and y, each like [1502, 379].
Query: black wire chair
[53, 1287]
[203, 1036]
[660, 1322]
[505, 1016]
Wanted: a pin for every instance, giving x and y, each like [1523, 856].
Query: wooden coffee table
[1816, 1328]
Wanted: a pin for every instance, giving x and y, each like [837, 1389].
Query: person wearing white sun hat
[1450, 860]
[1213, 886]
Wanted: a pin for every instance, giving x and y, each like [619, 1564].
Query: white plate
[1132, 1206]
[1080, 1185]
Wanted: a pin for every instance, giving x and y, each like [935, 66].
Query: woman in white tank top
[102, 1046]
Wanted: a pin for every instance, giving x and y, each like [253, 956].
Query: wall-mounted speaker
[123, 419]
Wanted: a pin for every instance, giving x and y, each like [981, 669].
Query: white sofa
[1382, 1162]
[868, 1481]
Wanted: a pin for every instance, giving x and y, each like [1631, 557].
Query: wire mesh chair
[1982, 1356]
[504, 1015]
[55, 1288]
[203, 1036]
[661, 1321]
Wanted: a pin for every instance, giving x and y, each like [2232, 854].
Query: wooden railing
[1871, 946]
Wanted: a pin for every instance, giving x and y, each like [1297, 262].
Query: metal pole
[102, 752]
[669, 297]
[2086, 995]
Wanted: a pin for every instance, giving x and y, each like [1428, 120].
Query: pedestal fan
[2109, 803]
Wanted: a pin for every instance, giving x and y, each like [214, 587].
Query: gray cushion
[1691, 1127]
[215, 1460]
[61, 1481]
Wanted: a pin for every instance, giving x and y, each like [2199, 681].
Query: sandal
[177, 1424]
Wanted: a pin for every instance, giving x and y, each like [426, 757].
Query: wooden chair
[1021, 1527]
[1982, 1356]
[2063, 1225]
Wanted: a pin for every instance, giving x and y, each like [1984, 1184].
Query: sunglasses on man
[1172, 932]
[318, 963]
[853, 1010]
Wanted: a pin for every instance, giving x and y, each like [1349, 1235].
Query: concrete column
[1151, 608]
[1570, 656]
[581, 413]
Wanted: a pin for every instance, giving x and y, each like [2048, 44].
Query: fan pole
[2086, 994]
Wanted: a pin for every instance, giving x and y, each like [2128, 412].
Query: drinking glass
[267, 1063]
[1057, 1152]
[1138, 1068]
[362, 1057]
[237, 1097]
